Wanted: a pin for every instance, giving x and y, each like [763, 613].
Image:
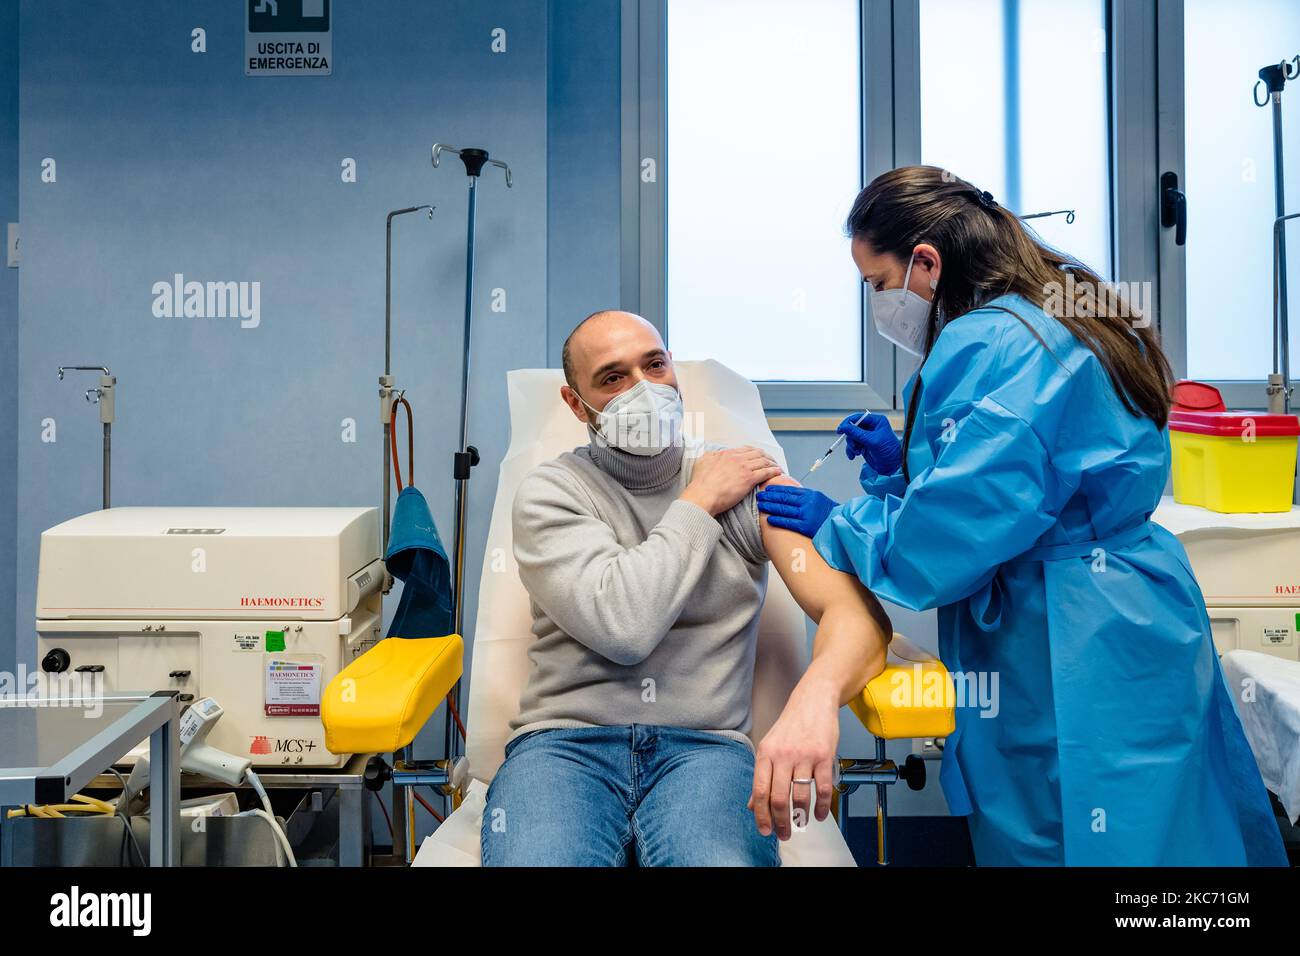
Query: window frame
[1145, 54]
[1171, 97]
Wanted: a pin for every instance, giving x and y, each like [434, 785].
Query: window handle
[1173, 207]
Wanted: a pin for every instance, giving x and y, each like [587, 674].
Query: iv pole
[386, 380]
[467, 457]
[102, 395]
[1273, 78]
[1279, 384]
[1067, 213]
[403, 811]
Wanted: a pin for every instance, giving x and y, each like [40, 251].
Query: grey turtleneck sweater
[645, 608]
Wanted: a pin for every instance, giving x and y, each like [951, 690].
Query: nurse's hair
[987, 251]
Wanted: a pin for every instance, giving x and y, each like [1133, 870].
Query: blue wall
[170, 161]
[583, 169]
[8, 329]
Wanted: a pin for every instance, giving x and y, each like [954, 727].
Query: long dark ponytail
[987, 251]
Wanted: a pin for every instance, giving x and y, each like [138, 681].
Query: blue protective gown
[1106, 735]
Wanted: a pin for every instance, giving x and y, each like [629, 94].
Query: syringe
[830, 451]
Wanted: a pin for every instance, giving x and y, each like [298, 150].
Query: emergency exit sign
[288, 38]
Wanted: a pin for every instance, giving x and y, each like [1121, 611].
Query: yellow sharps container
[1233, 462]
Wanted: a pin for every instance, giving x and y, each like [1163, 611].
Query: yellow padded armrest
[907, 699]
[379, 702]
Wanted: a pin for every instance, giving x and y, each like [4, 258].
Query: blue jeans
[635, 794]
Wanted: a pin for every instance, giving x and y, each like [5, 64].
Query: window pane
[1229, 163]
[1014, 99]
[764, 150]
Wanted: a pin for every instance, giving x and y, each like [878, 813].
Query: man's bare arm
[849, 649]
[853, 630]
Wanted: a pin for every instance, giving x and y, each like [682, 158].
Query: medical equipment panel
[306, 564]
[1248, 567]
[256, 607]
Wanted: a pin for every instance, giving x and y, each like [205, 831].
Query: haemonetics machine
[256, 607]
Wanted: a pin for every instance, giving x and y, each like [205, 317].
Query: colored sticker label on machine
[292, 689]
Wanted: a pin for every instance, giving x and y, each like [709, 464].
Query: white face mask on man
[644, 420]
[902, 316]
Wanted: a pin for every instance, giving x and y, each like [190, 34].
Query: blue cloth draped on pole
[417, 558]
[1096, 727]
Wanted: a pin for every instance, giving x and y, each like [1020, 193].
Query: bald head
[609, 352]
[596, 327]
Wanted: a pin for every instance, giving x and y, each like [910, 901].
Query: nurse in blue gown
[1018, 505]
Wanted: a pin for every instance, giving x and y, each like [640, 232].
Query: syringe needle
[830, 451]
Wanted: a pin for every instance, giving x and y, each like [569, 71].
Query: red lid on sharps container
[1234, 424]
[1192, 396]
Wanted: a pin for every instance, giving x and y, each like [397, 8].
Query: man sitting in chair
[646, 564]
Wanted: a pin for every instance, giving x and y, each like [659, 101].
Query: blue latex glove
[794, 508]
[874, 440]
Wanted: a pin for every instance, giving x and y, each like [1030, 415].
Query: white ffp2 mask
[901, 315]
[644, 420]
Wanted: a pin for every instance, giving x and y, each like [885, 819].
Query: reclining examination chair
[404, 684]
